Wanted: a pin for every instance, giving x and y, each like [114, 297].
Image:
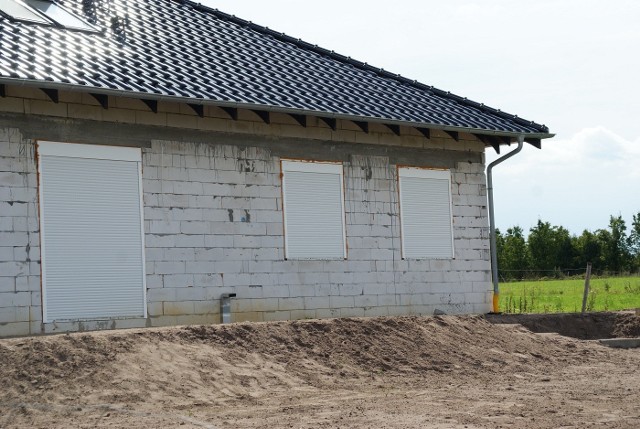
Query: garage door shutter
[425, 210]
[92, 235]
[313, 210]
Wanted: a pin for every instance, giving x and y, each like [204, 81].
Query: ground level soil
[407, 372]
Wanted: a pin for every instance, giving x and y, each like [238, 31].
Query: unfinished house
[164, 163]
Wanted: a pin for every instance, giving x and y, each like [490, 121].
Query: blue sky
[571, 64]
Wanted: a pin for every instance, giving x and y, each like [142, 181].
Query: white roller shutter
[92, 232]
[425, 209]
[313, 198]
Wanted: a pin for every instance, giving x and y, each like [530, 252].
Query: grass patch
[565, 296]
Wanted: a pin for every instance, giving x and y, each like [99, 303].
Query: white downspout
[492, 223]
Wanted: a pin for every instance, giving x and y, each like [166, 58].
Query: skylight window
[43, 12]
[20, 12]
[57, 14]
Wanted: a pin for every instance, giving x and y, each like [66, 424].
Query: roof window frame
[42, 19]
[48, 20]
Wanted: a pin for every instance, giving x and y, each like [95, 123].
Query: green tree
[550, 248]
[515, 255]
[588, 248]
[546, 246]
[499, 249]
[634, 241]
[617, 257]
[605, 240]
[565, 258]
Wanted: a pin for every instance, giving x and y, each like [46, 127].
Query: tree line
[551, 251]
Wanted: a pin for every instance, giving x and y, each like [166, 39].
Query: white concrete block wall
[214, 224]
[226, 222]
[20, 298]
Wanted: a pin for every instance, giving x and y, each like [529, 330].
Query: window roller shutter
[425, 198]
[314, 213]
[93, 262]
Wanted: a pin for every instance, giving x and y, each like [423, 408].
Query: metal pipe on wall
[492, 223]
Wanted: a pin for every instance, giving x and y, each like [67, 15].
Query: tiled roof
[164, 49]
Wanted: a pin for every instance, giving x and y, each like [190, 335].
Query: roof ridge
[362, 65]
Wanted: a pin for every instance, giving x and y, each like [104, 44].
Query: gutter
[494, 250]
[262, 107]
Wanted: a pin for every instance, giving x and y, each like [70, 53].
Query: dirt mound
[382, 372]
[591, 326]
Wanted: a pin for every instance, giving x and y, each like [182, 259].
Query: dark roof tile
[183, 49]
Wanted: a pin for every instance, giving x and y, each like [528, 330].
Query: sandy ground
[440, 372]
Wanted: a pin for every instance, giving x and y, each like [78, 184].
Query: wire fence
[555, 291]
[560, 274]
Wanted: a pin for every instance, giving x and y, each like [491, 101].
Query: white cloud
[577, 182]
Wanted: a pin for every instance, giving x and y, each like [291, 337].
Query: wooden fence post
[586, 288]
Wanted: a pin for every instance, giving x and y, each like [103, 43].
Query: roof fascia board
[261, 107]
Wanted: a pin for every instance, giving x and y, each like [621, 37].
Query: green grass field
[565, 296]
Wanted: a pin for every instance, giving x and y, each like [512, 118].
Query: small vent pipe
[225, 306]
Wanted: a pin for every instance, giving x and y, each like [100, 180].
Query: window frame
[308, 166]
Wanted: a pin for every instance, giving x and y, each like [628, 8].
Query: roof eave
[268, 108]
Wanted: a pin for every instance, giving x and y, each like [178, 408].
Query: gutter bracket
[301, 119]
[454, 135]
[364, 126]
[264, 115]
[395, 129]
[331, 122]
[198, 108]
[534, 142]
[493, 141]
[425, 132]
[151, 104]
[52, 94]
[102, 99]
[231, 111]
